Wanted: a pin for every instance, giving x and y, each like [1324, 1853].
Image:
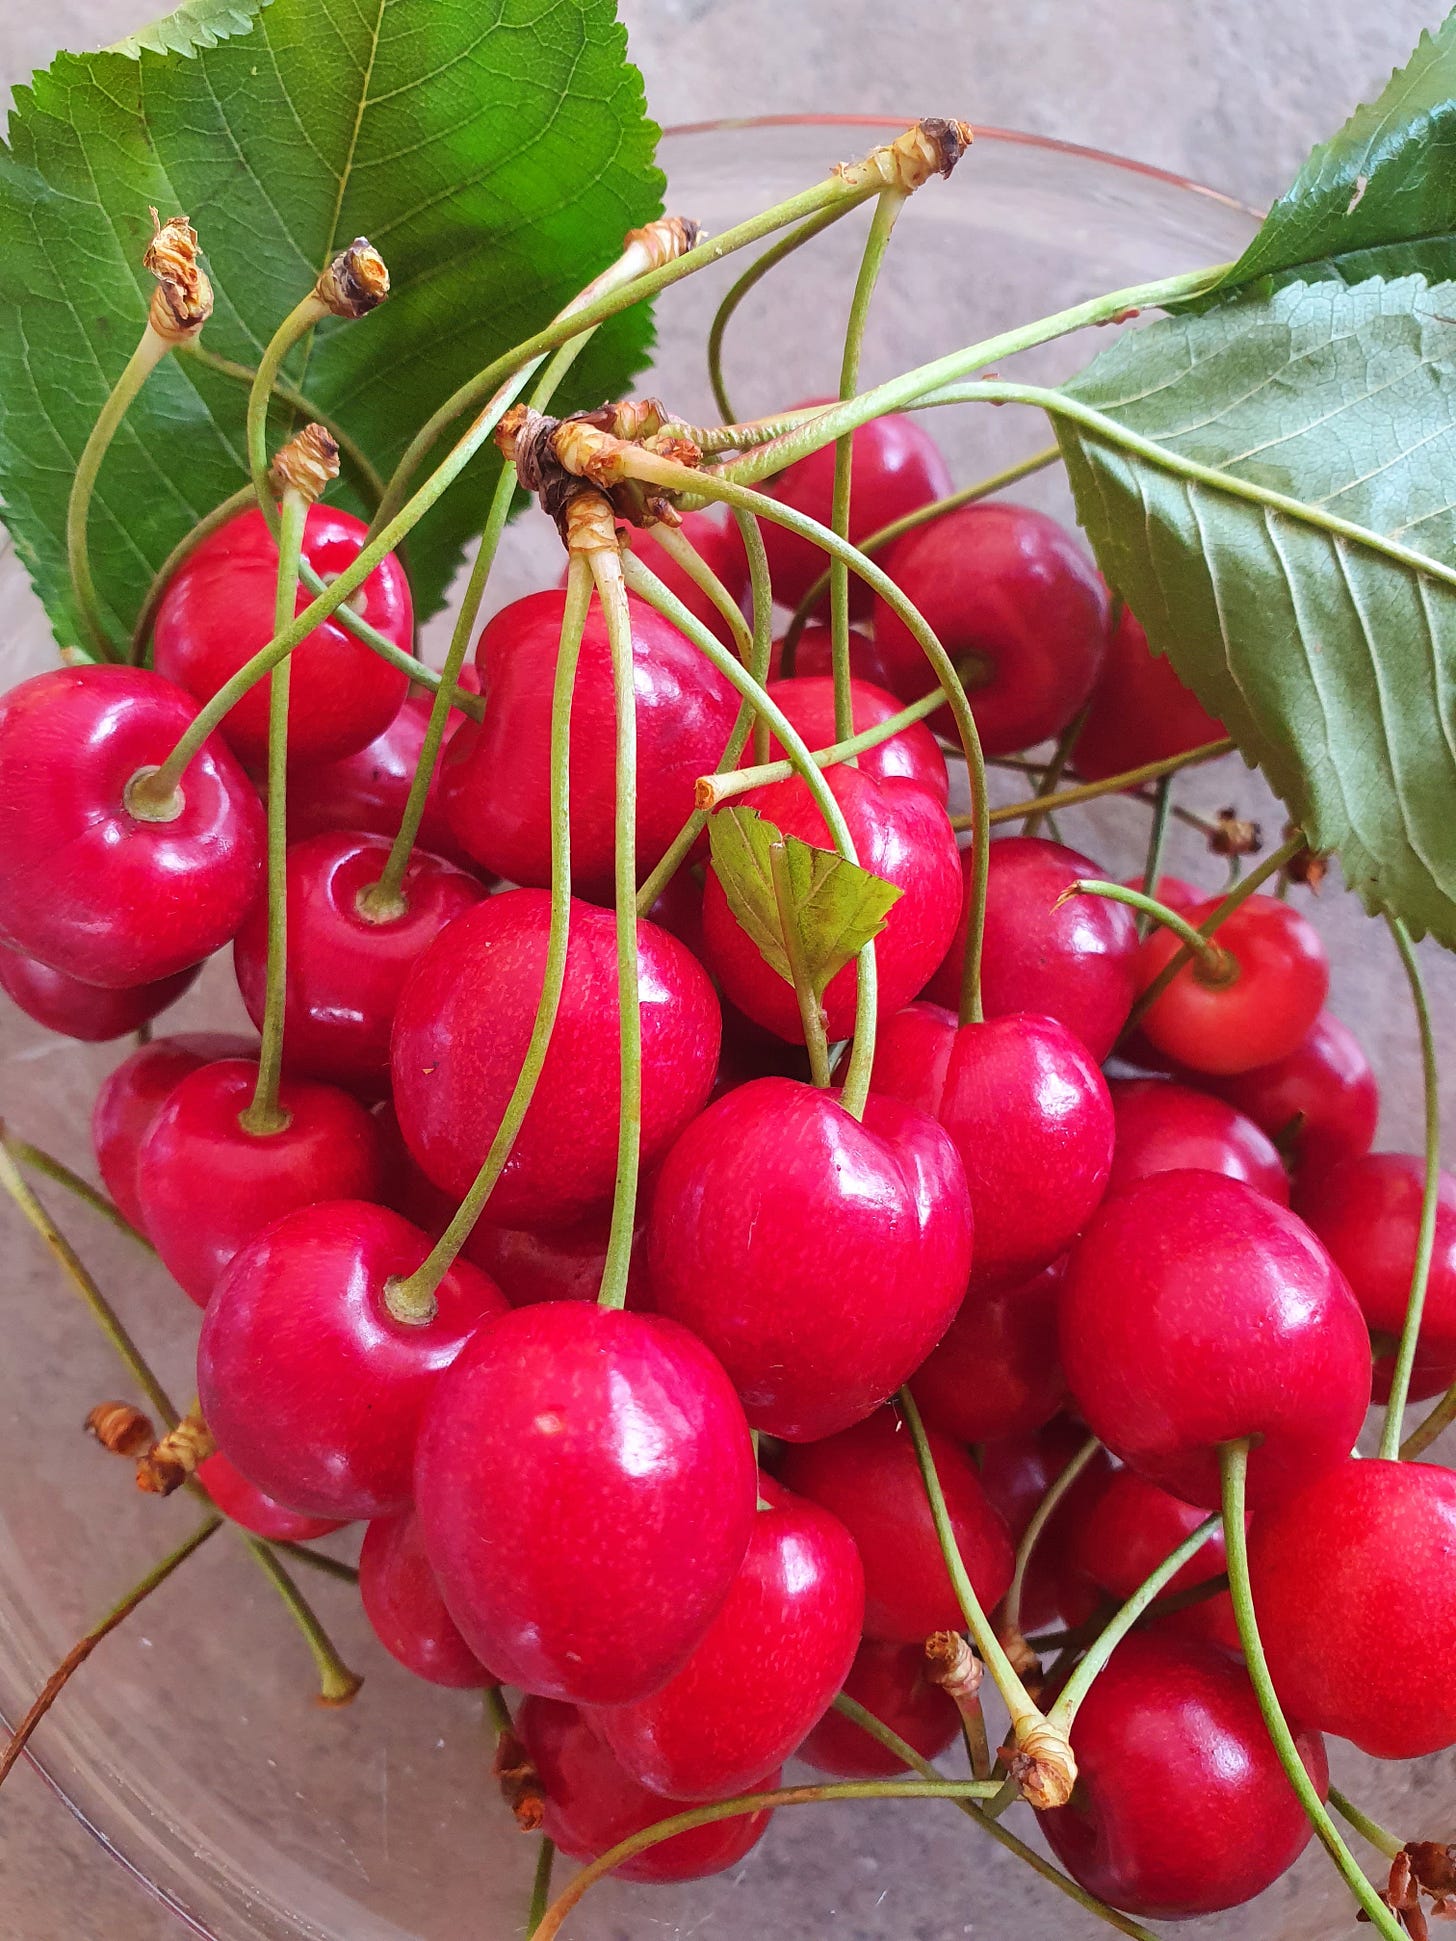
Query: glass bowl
[191, 1744]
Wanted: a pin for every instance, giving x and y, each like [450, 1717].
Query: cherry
[562, 1263]
[1127, 1532]
[814, 656]
[86, 886]
[808, 701]
[1140, 711]
[768, 1668]
[901, 834]
[592, 1804]
[996, 1371]
[1017, 605]
[1165, 1128]
[1196, 1312]
[130, 1099]
[402, 1602]
[1181, 1805]
[869, 1478]
[718, 541]
[86, 1011]
[311, 1386]
[206, 1185]
[1367, 1211]
[1355, 1593]
[1254, 1010]
[1016, 1473]
[890, 1681]
[406, 1188]
[895, 468]
[1076, 963]
[347, 961]
[217, 612]
[495, 778]
[1320, 1101]
[1028, 1112]
[245, 1503]
[819, 1258]
[586, 1488]
[461, 1029]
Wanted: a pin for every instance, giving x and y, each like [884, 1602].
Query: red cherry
[311, 1386]
[217, 612]
[717, 539]
[1127, 1532]
[1140, 711]
[245, 1503]
[555, 1263]
[85, 1011]
[1018, 606]
[495, 779]
[768, 1668]
[996, 1371]
[890, 1681]
[1320, 1102]
[206, 1186]
[407, 1190]
[346, 966]
[1213, 1023]
[814, 656]
[902, 834]
[678, 908]
[1354, 1584]
[914, 753]
[869, 1478]
[896, 468]
[819, 1258]
[1028, 1112]
[402, 1602]
[1368, 1213]
[1181, 1806]
[1167, 1128]
[592, 1805]
[133, 1095]
[87, 887]
[461, 1029]
[1076, 963]
[1016, 1473]
[1196, 1312]
[587, 1489]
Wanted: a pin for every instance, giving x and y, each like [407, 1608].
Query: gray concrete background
[1232, 94]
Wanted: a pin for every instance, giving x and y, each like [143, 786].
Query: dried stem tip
[1042, 1764]
[520, 1783]
[1235, 835]
[951, 1663]
[1310, 866]
[556, 457]
[121, 1429]
[931, 147]
[182, 301]
[589, 524]
[170, 1462]
[356, 282]
[663, 241]
[307, 464]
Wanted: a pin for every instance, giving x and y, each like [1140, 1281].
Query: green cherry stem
[294, 328]
[318, 1560]
[1157, 842]
[210, 523]
[1371, 1830]
[49, 1167]
[1234, 1462]
[1131, 778]
[760, 661]
[750, 279]
[1031, 1536]
[1214, 966]
[540, 1887]
[716, 789]
[1051, 779]
[1426, 1235]
[337, 1684]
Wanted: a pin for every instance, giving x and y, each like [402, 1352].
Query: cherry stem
[1031, 1536]
[1052, 774]
[1085, 1634]
[1383, 1841]
[540, 1887]
[1436, 1423]
[40, 1161]
[1214, 966]
[685, 554]
[337, 1684]
[1157, 841]
[350, 449]
[1410, 1333]
[714, 790]
[300, 320]
[82, 1649]
[1131, 778]
[751, 277]
[1233, 1462]
[811, 1011]
[319, 1560]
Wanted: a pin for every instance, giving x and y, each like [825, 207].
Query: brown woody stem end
[1042, 1764]
[308, 464]
[182, 301]
[519, 1781]
[169, 1463]
[121, 1429]
[356, 282]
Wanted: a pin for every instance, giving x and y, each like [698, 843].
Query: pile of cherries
[567, 1498]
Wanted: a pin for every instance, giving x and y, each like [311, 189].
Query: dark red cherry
[869, 1478]
[1016, 1473]
[890, 1681]
[217, 612]
[587, 1490]
[717, 539]
[1140, 711]
[1018, 606]
[206, 1186]
[132, 1096]
[896, 468]
[901, 834]
[85, 1011]
[1076, 963]
[406, 1188]
[1166, 1128]
[1320, 1102]
[1354, 1583]
[814, 655]
[461, 1029]
[1196, 1312]
[495, 779]
[1181, 1805]
[1027, 1110]
[1260, 1010]
[768, 1668]
[914, 753]
[592, 1805]
[562, 1263]
[89, 888]
[1127, 1532]
[346, 964]
[245, 1503]
[403, 1604]
[820, 1259]
[996, 1371]
[311, 1386]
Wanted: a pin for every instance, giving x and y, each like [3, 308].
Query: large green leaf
[495, 151]
[1270, 487]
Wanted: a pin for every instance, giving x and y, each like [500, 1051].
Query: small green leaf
[835, 906]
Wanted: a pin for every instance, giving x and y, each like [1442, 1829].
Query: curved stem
[1031, 1536]
[40, 1161]
[725, 784]
[352, 452]
[750, 279]
[296, 325]
[1410, 1333]
[1157, 841]
[1234, 1462]
[1212, 961]
[337, 1684]
[319, 1560]
[760, 583]
[540, 1887]
[1383, 1841]
[1436, 1423]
